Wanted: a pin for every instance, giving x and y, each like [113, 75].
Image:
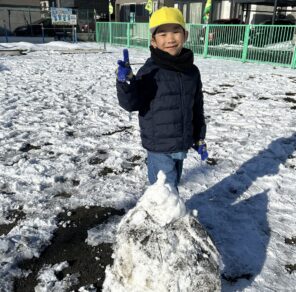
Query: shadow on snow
[239, 228]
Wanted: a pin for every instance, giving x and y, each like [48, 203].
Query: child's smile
[169, 38]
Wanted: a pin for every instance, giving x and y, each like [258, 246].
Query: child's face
[170, 38]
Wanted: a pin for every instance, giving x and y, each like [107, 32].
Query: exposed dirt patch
[292, 78]
[75, 182]
[105, 171]
[4, 192]
[69, 133]
[68, 244]
[63, 194]
[290, 99]
[26, 147]
[290, 93]
[126, 166]
[14, 216]
[213, 93]
[290, 268]
[134, 158]
[226, 85]
[230, 107]
[212, 161]
[239, 96]
[121, 129]
[291, 241]
[98, 158]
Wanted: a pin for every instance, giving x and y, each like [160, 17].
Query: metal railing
[273, 44]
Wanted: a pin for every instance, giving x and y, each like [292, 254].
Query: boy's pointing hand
[124, 70]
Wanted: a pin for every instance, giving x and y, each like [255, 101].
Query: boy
[167, 92]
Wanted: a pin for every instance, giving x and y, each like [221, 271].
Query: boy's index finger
[125, 56]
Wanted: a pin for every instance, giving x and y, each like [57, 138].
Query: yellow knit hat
[166, 15]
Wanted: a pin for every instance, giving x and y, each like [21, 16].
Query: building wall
[191, 9]
[91, 4]
[225, 11]
[291, 13]
[67, 3]
[20, 3]
[14, 13]
[260, 13]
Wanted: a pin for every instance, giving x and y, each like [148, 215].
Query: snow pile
[161, 202]
[161, 247]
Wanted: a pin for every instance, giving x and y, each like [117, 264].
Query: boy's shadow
[238, 225]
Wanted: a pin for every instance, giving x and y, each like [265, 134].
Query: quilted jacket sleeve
[199, 125]
[137, 95]
[129, 94]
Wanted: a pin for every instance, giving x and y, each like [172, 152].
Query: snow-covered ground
[62, 131]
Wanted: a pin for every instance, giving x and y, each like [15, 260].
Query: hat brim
[154, 29]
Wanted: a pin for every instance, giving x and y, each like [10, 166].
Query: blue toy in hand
[201, 148]
[124, 71]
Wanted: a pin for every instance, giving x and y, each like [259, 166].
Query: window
[185, 12]
[155, 5]
[195, 13]
[140, 10]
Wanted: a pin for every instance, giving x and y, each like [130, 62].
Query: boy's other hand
[201, 148]
[124, 70]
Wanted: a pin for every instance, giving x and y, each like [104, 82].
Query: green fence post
[293, 63]
[97, 32]
[128, 35]
[110, 32]
[246, 43]
[206, 40]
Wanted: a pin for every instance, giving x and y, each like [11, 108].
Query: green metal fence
[273, 44]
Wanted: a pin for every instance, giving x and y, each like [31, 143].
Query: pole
[42, 30]
[6, 35]
[246, 43]
[211, 18]
[206, 41]
[271, 30]
[293, 63]
[30, 16]
[73, 37]
[105, 36]
[9, 20]
[274, 11]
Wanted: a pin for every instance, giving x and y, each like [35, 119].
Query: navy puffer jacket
[170, 106]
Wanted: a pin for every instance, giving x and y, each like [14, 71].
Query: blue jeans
[168, 164]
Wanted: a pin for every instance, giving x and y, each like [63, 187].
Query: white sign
[73, 19]
[63, 16]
